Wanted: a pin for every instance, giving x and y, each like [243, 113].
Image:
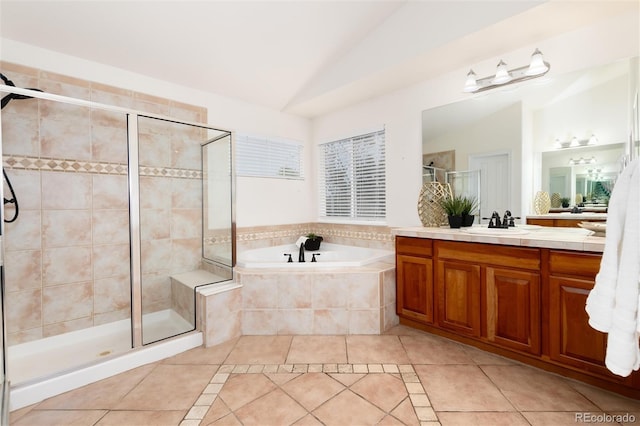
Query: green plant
[453, 206]
[313, 236]
[565, 201]
[470, 204]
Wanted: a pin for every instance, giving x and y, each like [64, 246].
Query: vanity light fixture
[537, 68]
[575, 142]
[582, 160]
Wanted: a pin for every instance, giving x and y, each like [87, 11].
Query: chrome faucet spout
[301, 253]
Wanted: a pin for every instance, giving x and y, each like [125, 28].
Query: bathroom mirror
[533, 125]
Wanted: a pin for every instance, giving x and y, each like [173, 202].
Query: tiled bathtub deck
[404, 377]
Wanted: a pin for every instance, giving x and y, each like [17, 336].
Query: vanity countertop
[573, 216]
[522, 235]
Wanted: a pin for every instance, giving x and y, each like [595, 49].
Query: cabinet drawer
[574, 263]
[515, 257]
[414, 246]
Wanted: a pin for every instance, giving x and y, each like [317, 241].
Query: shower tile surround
[67, 256]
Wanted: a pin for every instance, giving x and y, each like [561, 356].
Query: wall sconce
[575, 142]
[537, 68]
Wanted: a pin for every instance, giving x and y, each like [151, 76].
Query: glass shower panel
[66, 266]
[218, 231]
[170, 185]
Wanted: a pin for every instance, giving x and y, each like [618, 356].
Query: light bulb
[593, 140]
[575, 142]
[502, 74]
[471, 85]
[537, 65]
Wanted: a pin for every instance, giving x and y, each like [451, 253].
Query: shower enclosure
[114, 204]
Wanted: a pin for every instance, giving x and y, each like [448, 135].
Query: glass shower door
[171, 223]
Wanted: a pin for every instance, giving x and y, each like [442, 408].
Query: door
[415, 288]
[513, 309]
[572, 340]
[458, 296]
[495, 182]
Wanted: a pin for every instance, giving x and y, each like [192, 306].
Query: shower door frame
[134, 202]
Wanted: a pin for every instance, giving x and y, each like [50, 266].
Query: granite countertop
[566, 215]
[522, 235]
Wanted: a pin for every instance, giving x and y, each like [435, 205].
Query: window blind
[263, 157]
[352, 178]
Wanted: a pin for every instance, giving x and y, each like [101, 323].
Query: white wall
[400, 111]
[258, 201]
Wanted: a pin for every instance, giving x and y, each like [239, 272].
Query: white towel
[614, 302]
[301, 240]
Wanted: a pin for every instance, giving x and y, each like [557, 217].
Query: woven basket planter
[429, 209]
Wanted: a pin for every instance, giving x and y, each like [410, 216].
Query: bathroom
[272, 212]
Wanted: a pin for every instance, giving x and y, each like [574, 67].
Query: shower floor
[52, 355]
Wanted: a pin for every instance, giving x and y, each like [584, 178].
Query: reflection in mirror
[218, 224]
[532, 122]
[585, 175]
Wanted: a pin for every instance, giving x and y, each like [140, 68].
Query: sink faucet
[495, 222]
[301, 253]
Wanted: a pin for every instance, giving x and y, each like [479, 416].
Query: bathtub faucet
[301, 253]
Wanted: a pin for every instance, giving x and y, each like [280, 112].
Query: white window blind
[258, 156]
[352, 178]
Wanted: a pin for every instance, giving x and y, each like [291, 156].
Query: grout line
[417, 395]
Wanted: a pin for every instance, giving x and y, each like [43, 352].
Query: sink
[495, 231]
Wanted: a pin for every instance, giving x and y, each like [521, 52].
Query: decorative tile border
[359, 232]
[417, 395]
[45, 164]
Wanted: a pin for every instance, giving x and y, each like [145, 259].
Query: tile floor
[403, 377]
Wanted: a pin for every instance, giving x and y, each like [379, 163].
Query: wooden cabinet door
[414, 293]
[458, 296]
[572, 340]
[513, 309]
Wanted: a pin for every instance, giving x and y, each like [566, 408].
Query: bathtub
[349, 290]
[330, 256]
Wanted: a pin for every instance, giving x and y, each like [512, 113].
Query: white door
[495, 183]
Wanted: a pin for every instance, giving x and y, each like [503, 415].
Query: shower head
[10, 96]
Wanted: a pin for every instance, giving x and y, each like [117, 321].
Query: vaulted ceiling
[302, 57]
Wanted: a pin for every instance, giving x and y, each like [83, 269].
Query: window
[352, 178]
[258, 156]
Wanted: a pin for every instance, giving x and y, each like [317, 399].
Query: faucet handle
[313, 257]
[290, 260]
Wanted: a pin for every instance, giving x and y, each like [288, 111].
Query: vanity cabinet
[497, 286]
[526, 303]
[561, 223]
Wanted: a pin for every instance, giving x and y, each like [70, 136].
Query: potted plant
[470, 204]
[313, 242]
[453, 207]
[565, 201]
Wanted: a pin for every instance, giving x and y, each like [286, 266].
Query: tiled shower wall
[67, 254]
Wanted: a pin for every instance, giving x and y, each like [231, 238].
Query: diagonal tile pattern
[405, 377]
